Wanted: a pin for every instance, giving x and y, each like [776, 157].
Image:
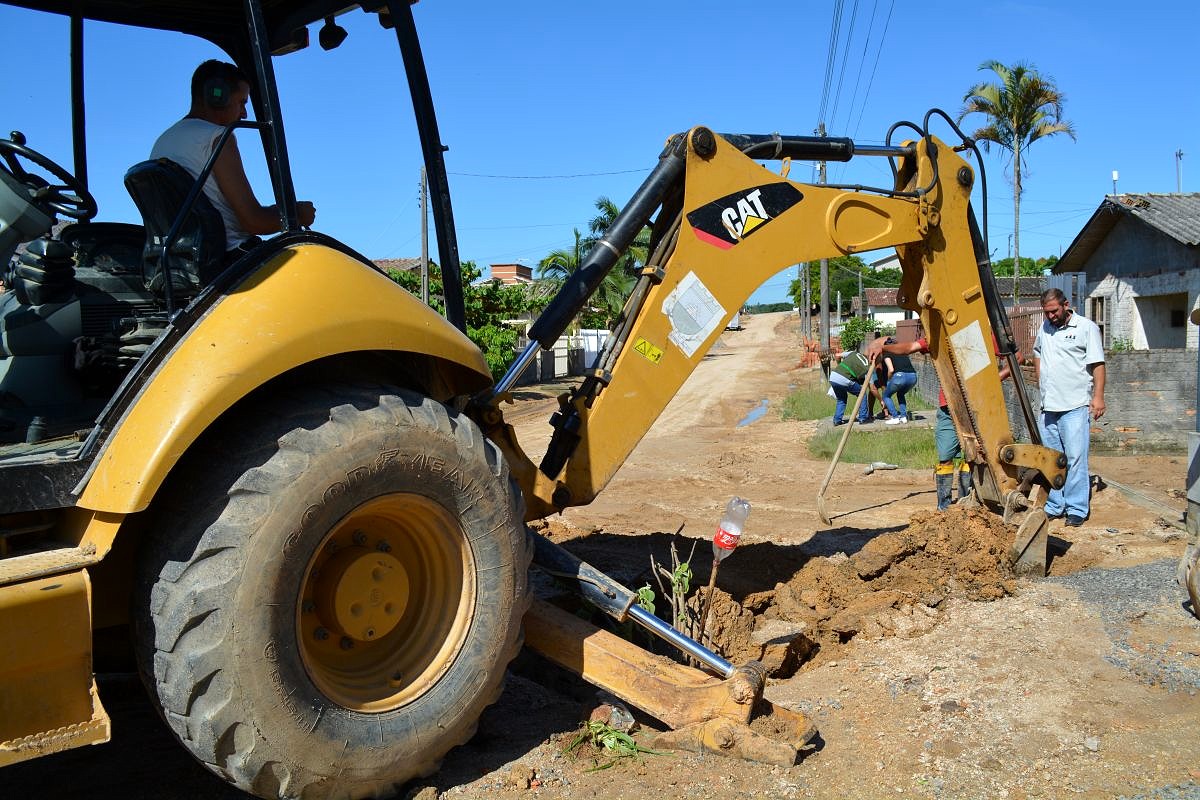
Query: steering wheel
[69, 198]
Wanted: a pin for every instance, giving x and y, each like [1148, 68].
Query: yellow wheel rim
[386, 603]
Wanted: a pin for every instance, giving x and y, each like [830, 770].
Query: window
[1097, 308]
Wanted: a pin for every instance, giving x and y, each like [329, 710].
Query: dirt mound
[893, 586]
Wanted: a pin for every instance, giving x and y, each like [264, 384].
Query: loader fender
[307, 302]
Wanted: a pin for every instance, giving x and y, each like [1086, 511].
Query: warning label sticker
[647, 350]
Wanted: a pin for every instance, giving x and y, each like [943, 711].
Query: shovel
[837, 454]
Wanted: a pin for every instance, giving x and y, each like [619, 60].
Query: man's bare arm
[254, 217]
[877, 347]
[1098, 377]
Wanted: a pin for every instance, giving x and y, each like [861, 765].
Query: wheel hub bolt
[347, 643]
[360, 538]
[320, 634]
[383, 547]
[307, 606]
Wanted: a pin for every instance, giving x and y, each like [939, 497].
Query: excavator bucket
[1029, 548]
[1028, 551]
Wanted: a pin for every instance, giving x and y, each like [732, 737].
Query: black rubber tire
[216, 603]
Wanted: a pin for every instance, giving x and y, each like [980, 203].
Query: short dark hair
[1053, 294]
[213, 71]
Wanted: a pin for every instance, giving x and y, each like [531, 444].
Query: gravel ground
[1126, 597]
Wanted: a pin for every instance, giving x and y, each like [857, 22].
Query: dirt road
[961, 683]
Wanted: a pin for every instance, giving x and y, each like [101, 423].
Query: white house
[1140, 256]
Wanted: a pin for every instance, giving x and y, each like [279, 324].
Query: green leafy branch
[616, 744]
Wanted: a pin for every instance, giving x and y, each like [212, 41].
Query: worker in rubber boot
[945, 435]
[949, 449]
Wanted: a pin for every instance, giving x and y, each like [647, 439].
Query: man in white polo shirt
[1068, 359]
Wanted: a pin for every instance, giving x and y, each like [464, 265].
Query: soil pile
[893, 586]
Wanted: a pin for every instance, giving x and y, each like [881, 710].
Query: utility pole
[824, 272]
[808, 299]
[424, 239]
[801, 297]
[1179, 171]
[862, 298]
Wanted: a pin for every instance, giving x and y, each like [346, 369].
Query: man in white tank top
[220, 92]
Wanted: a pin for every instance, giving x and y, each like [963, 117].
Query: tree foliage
[767, 308]
[844, 272]
[1030, 267]
[635, 257]
[487, 306]
[608, 299]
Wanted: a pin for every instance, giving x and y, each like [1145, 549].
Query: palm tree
[609, 297]
[1021, 108]
[635, 257]
[560, 264]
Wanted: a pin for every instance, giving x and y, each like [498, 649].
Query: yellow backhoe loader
[294, 482]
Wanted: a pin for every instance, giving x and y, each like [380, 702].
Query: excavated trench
[790, 606]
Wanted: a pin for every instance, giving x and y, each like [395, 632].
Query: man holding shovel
[848, 378]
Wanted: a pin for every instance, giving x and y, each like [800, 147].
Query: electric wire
[871, 81]
[837, 94]
[830, 58]
[862, 60]
[547, 177]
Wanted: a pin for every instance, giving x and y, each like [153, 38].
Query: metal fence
[1025, 320]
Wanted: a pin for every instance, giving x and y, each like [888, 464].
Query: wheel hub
[386, 602]
[362, 593]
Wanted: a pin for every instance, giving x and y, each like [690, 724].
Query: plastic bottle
[730, 529]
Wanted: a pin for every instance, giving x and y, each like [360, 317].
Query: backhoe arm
[725, 226]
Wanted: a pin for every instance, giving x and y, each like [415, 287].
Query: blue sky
[547, 106]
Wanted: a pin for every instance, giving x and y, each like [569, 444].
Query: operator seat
[159, 189]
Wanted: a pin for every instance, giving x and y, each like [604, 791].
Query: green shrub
[855, 330]
[1121, 346]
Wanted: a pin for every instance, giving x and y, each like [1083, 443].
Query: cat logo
[747, 216]
[728, 220]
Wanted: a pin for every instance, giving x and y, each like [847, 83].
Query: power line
[1056, 222]
[520, 227]
[871, 82]
[862, 60]
[864, 276]
[546, 177]
[830, 58]
[837, 95]
[1061, 212]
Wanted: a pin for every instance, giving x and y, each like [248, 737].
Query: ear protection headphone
[217, 92]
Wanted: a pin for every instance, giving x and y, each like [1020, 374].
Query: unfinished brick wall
[1150, 395]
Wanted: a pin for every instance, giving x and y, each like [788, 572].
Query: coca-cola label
[726, 540]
